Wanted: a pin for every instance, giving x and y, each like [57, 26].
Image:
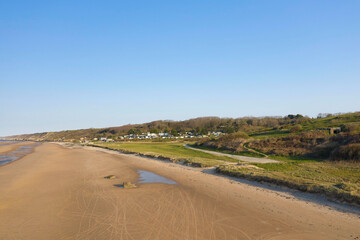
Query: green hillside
[256, 127]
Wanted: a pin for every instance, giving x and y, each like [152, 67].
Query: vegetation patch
[128, 185]
[174, 152]
[340, 180]
[232, 142]
[347, 152]
[110, 177]
[246, 153]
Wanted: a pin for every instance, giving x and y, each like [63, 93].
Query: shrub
[202, 141]
[232, 136]
[306, 144]
[231, 142]
[296, 128]
[347, 152]
[351, 128]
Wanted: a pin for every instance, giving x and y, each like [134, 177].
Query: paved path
[238, 157]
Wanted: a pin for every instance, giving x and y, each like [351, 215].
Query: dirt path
[238, 157]
[254, 151]
[60, 193]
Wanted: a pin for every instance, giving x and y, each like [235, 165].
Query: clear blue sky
[81, 64]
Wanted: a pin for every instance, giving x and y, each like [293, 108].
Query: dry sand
[60, 193]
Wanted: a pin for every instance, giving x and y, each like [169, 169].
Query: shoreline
[14, 152]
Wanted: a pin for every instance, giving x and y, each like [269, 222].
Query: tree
[154, 130]
[134, 131]
[174, 132]
[229, 129]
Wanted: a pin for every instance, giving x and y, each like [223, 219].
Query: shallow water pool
[150, 177]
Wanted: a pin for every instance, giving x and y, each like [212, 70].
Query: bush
[351, 128]
[304, 144]
[347, 152]
[202, 141]
[232, 136]
[231, 142]
[296, 128]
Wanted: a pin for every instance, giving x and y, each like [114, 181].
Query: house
[162, 134]
[217, 134]
[152, 135]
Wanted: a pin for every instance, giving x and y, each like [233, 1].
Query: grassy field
[174, 151]
[333, 121]
[244, 153]
[270, 133]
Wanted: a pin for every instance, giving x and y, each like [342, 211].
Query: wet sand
[60, 193]
[12, 146]
[12, 151]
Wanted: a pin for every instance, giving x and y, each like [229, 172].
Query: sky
[82, 64]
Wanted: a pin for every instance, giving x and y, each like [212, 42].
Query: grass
[336, 179]
[244, 153]
[173, 151]
[253, 154]
[320, 172]
[294, 158]
[270, 133]
[333, 121]
[313, 124]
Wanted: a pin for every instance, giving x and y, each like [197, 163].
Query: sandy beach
[58, 192]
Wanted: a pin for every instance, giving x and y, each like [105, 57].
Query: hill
[335, 137]
[256, 127]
